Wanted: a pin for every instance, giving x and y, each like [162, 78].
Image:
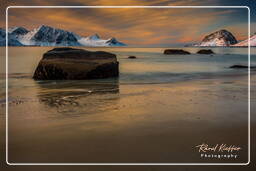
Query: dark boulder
[205, 51]
[76, 64]
[132, 57]
[176, 52]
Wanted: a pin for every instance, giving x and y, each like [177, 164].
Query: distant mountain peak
[44, 26]
[94, 37]
[49, 36]
[222, 31]
[17, 30]
[12, 41]
[252, 41]
[112, 40]
[219, 38]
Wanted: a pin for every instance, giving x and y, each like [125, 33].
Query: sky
[140, 26]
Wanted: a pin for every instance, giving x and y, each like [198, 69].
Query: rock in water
[132, 57]
[205, 51]
[219, 38]
[242, 67]
[176, 52]
[76, 64]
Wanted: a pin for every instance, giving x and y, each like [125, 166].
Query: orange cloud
[131, 25]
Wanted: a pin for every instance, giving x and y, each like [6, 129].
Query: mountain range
[49, 36]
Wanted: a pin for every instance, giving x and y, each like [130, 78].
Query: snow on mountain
[49, 36]
[245, 42]
[219, 38]
[17, 31]
[94, 37]
[11, 39]
[95, 40]
[113, 42]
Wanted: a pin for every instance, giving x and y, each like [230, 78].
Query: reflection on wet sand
[67, 95]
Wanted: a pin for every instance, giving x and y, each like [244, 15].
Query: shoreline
[147, 119]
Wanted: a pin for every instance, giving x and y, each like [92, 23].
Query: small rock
[241, 66]
[205, 51]
[132, 57]
[176, 52]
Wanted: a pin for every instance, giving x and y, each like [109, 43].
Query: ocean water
[155, 98]
[150, 67]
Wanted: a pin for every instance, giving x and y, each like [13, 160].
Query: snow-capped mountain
[113, 42]
[11, 39]
[219, 38]
[95, 40]
[18, 31]
[94, 37]
[245, 42]
[49, 36]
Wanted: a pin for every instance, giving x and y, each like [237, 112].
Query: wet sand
[159, 123]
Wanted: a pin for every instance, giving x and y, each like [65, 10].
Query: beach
[151, 114]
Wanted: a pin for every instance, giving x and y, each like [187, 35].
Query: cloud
[137, 26]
